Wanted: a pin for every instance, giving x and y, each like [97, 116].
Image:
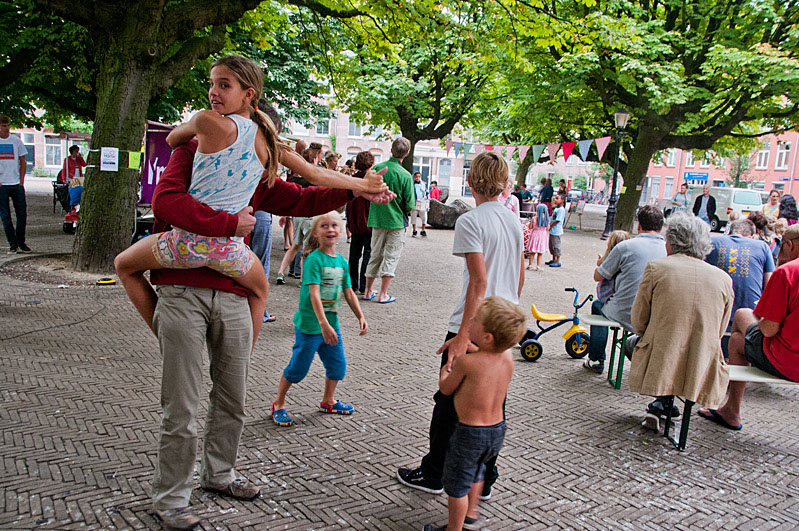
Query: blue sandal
[339, 408]
[280, 417]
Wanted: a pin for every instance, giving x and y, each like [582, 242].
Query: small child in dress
[606, 288]
[479, 380]
[556, 230]
[325, 277]
[539, 236]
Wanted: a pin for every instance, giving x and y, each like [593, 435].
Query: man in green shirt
[388, 223]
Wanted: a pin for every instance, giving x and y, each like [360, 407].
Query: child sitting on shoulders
[479, 381]
[325, 277]
[539, 233]
[606, 288]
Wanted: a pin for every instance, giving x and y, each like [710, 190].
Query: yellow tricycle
[576, 336]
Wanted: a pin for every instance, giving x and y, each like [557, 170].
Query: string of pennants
[583, 148]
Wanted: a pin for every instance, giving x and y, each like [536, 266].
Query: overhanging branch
[196, 48]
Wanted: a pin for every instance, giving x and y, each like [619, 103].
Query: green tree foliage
[691, 72]
[417, 69]
[738, 170]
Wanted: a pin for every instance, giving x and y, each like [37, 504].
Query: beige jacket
[681, 311]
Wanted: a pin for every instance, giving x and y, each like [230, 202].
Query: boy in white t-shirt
[12, 187]
[490, 239]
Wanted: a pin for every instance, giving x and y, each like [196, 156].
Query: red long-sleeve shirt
[172, 205]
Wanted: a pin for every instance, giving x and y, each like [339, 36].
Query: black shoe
[658, 409]
[423, 234]
[12, 249]
[431, 527]
[486, 494]
[24, 248]
[414, 234]
[549, 262]
[596, 366]
[629, 346]
[414, 478]
[297, 275]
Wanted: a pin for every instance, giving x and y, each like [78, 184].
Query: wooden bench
[738, 373]
[616, 343]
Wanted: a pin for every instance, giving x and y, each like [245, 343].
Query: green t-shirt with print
[332, 274]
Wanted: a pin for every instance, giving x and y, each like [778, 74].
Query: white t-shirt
[11, 149]
[495, 231]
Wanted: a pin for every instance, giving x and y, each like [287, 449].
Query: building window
[783, 151]
[775, 186]
[689, 159]
[355, 130]
[671, 161]
[704, 162]
[323, 126]
[444, 171]
[719, 183]
[352, 153]
[52, 151]
[762, 156]
[465, 190]
[377, 154]
[668, 190]
[299, 129]
[422, 165]
[658, 159]
[377, 132]
[720, 162]
[654, 187]
[30, 155]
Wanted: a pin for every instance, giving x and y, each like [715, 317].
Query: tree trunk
[407, 162]
[646, 144]
[524, 167]
[106, 219]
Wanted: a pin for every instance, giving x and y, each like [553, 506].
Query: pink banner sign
[156, 157]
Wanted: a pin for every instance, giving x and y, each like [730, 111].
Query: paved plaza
[79, 417]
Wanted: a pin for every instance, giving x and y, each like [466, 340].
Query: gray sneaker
[180, 518]
[239, 488]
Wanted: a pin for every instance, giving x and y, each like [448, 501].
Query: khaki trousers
[386, 250]
[188, 321]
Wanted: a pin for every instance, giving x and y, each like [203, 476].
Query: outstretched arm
[372, 182]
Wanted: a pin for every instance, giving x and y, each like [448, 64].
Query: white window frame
[658, 161]
[377, 132]
[761, 162]
[444, 175]
[671, 161]
[326, 123]
[50, 150]
[783, 154]
[689, 159]
[299, 129]
[668, 187]
[654, 187]
[378, 155]
[704, 162]
[354, 130]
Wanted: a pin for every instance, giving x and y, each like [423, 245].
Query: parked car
[741, 200]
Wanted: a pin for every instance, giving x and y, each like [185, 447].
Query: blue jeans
[16, 194]
[599, 335]
[261, 241]
[305, 346]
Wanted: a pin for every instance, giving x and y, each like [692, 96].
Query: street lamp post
[620, 117]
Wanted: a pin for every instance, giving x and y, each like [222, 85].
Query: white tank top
[226, 180]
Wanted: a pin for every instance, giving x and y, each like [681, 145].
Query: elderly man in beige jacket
[680, 312]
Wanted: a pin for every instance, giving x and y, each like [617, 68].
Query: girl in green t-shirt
[325, 276]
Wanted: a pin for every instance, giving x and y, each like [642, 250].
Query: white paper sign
[109, 159]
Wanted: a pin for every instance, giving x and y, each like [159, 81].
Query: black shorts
[753, 351]
[470, 447]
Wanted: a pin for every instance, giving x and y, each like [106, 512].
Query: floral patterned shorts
[177, 249]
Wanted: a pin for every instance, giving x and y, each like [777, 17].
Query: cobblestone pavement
[80, 412]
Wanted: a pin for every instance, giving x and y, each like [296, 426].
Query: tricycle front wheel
[577, 345]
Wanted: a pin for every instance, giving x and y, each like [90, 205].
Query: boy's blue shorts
[305, 346]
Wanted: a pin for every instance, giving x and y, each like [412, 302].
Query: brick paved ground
[80, 414]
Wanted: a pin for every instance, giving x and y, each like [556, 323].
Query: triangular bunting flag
[478, 148]
[489, 147]
[552, 149]
[466, 149]
[448, 143]
[537, 150]
[584, 146]
[568, 147]
[523, 151]
[602, 145]
[510, 150]
[457, 146]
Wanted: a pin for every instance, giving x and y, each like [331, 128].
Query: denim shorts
[470, 447]
[305, 346]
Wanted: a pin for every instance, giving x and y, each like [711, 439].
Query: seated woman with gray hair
[680, 313]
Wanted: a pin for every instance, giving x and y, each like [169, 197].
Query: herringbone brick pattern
[80, 413]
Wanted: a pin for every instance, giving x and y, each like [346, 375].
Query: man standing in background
[12, 187]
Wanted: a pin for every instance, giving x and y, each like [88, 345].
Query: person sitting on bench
[681, 311]
[767, 337]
